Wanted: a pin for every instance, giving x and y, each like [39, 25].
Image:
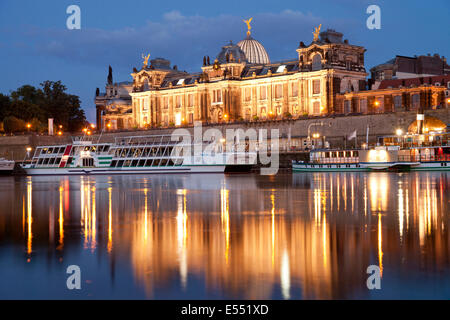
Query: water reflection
[289, 237]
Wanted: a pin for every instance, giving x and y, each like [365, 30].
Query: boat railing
[424, 158]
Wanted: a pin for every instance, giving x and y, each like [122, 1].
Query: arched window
[317, 62]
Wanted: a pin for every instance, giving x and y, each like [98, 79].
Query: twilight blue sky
[35, 44]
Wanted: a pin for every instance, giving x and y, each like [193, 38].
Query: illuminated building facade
[241, 84]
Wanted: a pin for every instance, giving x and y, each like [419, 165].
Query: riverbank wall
[334, 129]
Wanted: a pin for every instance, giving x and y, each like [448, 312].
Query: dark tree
[208, 62]
[5, 105]
[97, 92]
[204, 60]
[34, 104]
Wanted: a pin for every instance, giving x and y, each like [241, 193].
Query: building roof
[443, 80]
[234, 52]
[254, 51]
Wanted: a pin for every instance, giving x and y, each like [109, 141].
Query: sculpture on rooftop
[249, 27]
[145, 60]
[317, 33]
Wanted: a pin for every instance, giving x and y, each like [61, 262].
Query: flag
[352, 136]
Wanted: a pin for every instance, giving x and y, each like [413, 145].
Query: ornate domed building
[253, 49]
[327, 77]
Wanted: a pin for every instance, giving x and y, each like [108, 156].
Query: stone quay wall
[334, 129]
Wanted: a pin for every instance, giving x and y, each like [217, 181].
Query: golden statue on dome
[146, 59]
[249, 27]
[317, 33]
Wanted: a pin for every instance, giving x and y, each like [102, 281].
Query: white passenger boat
[325, 160]
[137, 155]
[6, 166]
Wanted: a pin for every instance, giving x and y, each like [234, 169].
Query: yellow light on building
[399, 132]
[377, 103]
[28, 149]
[178, 119]
[60, 133]
[316, 135]
[28, 125]
[109, 125]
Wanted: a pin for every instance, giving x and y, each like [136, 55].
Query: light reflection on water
[300, 236]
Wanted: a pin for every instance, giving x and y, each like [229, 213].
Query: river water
[214, 236]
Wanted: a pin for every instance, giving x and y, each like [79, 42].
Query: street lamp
[28, 126]
[399, 133]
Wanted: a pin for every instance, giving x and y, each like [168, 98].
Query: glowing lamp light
[89, 132]
[178, 119]
[28, 149]
[223, 140]
[60, 133]
[316, 135]
[448, 100]
[85, 130]
[92, 126]
[225, 116]
[399, 132]
[28, 125]
[377, 103]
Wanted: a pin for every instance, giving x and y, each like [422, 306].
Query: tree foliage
[36, 105]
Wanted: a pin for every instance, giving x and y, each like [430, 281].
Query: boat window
[105, 148]
[61, 150]
[327, 154]
[51, 161]
[155, 163]
[127, 163]
[141, 163]
[120, 164]
[113, 163]
[88, 162]
[44, 151]
[50, 150]
[137, 153]
[148, 163]
[134, 163]
[45, 161]
[341, 154]
[355, 153]
[348, 154]
[40, 161]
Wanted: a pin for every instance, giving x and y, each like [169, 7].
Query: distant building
[402, 67]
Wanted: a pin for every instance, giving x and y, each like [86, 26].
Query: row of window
[278, 90]
[142, 152]
[165, 162]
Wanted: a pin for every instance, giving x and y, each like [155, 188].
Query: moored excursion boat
[6, 166]
[137, 155]
[431, 153]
